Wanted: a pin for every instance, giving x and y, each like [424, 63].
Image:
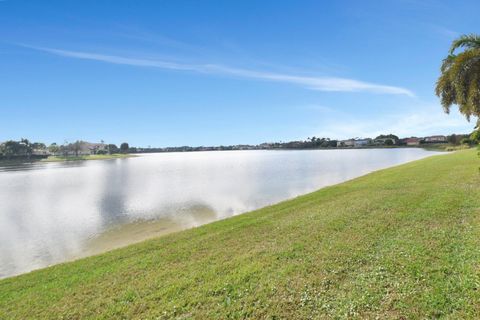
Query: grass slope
[398, 243]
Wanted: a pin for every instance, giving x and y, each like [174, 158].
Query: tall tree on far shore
[124, 147]
[76, 147]
[53, 149]
[459, 81]
[27, 146]
[112, 149]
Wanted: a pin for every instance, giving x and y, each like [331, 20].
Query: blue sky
[168, 73]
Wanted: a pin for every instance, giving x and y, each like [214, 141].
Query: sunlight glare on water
[53, 212]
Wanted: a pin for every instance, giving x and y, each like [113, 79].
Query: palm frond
[459, 81]
[465, 41]
[447, 62]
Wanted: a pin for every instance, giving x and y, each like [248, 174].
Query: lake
[54, 212]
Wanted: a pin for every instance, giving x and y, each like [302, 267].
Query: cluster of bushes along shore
[24, 149]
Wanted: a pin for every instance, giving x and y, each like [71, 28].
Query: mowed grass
[401, 243]
[88, 157]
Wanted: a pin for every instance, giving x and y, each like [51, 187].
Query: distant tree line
[457, 139]
[24, 149]
[317, 143]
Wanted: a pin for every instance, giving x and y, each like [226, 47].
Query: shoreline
[88, 157]
[433, 147]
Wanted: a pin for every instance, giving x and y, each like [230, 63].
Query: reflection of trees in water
[184, 214]
[195, 212]
[112, 205]
[117, 182]
[170, 219]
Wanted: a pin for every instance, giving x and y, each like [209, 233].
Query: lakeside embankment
[397, 243]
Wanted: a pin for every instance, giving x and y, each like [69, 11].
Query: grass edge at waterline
[88, 157]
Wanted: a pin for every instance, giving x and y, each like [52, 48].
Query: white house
[346, 143]
[436, 139]
[362, 142]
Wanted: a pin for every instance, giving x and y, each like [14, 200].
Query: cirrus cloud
[334, 84]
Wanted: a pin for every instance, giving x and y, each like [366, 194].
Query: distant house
[40, 152]
[92, 148]
[412, 141]
[436, 139]
[362, 142]
[354, 143]
[266, 145]
[346, 143]
[87, 148]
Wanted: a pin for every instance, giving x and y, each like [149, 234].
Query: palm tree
[459, 82]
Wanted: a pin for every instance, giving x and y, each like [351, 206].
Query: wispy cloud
[313, 83]
[445, 32]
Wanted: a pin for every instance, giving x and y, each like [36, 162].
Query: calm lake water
[53, 212]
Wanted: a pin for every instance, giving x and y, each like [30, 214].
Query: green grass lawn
[445, 147]
[87, 157]
[401, 243]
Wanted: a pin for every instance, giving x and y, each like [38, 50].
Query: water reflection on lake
[52, 212]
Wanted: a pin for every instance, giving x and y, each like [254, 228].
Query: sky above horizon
[171, 73]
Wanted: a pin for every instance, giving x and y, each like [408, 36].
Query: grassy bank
[400, 243]
[445, 147]
[87, 157]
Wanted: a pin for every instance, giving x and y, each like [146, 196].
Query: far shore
[51, 158]
[431, 147]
